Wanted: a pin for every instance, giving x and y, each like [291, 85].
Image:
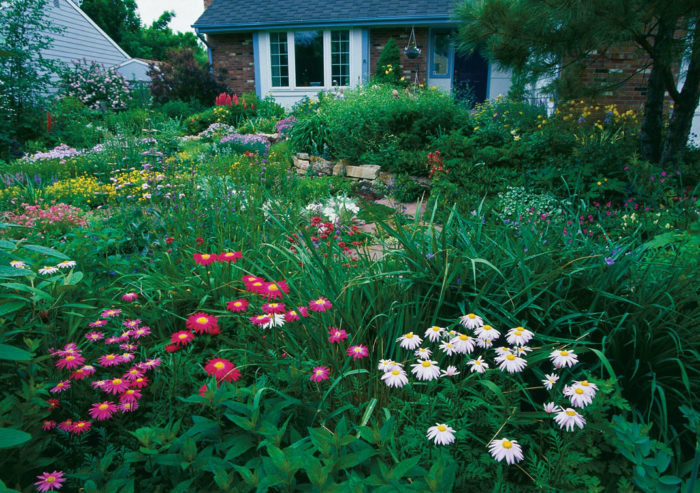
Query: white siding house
[80, 38]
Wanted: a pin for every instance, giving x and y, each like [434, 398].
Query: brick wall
[233, 54]
[207, 3]
[378, 38]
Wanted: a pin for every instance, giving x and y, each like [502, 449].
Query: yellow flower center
[219, 365]
[464, 337]
[409, 335]
[202, 320]
[518, 333]
[50, 479]
[471, 315]
[182, 336]
[206, 256]
[127, 405]
[426, 364]
[563, 353]
[579, 391]
[110, 356]
[585, 383]
[571, 413]
[319, 372]
[435, 328]
[358, 349]
[273, 287]
[395, 372]
[80, 425]
[273, 305]
[116, 381]
[487, 327]
[442, 428]
[510, 357]
[70, 358]
[320, 302]
[103, 407]
[507, 444]
[134, 371]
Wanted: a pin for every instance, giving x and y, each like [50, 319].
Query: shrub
[246, 143]
[183, 78]
[389, 64]
[180, 109]
[95, 86]
[73, 123]
[198, 122]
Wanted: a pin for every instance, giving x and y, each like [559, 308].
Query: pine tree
[389, 64]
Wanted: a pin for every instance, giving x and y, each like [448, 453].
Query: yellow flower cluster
[85, 187]
[9, 193]
[222, 114]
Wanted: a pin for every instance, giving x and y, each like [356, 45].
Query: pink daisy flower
[50, 481]
[127, 407]
[140, 332]
[237, 306]
[274, 290]
[60, 387]
[182, 338]
[94, 336]
[291, 316]
[48, 425]
[204, 258]
[251, 279]
[130, 395]
[320, 305]
[128, 346]
[69, 350]
[303, 311]
[336, 335]
[260, 320]
[78, 374]
[150, 364]
[109, 360]
[98, 323]
[203, 323]
[112, 340]
[273, 308]
[112, 312]
[102, 410]
[80, 427]
[256, 287]
[70, 362]
[222, 370]
[132, 374]
[65, 425]
[53, 404]
[131, 324]
[88, 369]
[230, 257]
[358, 352]
[126, 357]
[116, 386]
[319, 373]
[130, 296]
[139, 382]
[99, 384]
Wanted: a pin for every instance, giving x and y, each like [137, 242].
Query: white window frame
[355, 50]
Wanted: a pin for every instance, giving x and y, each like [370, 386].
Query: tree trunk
[684, 108]
[652, 125]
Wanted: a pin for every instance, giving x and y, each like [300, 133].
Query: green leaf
[351, 460]
[73, 278]
[46, 251]
[13, 353]
[6, 271]
[7, 308]
[9, 437]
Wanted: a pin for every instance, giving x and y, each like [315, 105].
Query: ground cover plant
[183, 311]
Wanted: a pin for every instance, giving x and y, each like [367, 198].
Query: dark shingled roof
[241, 15]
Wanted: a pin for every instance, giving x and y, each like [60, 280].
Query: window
[279, 60]
[340, 58]
[440, 55]
[303, 59]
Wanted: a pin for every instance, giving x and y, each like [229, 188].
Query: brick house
[290, 49]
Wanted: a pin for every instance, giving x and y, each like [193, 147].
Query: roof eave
[413, 21]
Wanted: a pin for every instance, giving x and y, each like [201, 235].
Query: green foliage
[389, 64]
[183, 77]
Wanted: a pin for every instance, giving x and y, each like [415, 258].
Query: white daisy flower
[463, 344]
[478, 365]
[577, 396]
[502, 351]
[426, 370]
[450, 372]
[519, 336]
[506, 449]
[18, 264]
[511, 363]
[551, 408]
[563, 358]
[522, 350]
[66, 264]
[487, 332]
[569, 419]
[588, 387]
[409, 341]
[276, 320]
[423, 353]
[441, 434]
[48, 270]
[484, 343]
[395, 378]
[388, 365]
[452, 333]
[550, 380]
[434, 333]
[448, 348]
[471, 321]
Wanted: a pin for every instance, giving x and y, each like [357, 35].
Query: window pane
[441, 54]
[308, 56]
[340, 57]
[279, 61]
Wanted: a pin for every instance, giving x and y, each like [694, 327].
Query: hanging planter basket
[411, 50]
